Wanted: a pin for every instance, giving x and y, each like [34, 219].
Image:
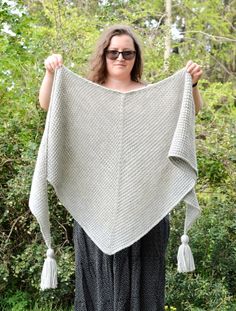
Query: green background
[31, 31]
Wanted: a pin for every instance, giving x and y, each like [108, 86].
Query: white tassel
[185, 257]
[49, 273]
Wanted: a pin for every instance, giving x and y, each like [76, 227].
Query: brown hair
[98, 70]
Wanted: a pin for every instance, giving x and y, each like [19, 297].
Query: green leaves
[71, 28]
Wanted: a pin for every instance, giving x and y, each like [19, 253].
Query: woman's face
[120, 67]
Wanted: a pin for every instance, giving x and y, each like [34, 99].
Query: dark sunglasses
[113, 54]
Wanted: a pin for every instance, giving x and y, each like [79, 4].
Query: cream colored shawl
[119, 162]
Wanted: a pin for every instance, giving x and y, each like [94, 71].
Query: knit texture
[119, 162]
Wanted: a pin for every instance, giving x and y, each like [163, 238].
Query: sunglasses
[113, 54]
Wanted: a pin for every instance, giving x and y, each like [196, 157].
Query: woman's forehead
[121, 41]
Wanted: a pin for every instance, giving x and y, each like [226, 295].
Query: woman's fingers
[195, 70]
[189, 63]
[48, 66]
[58, 61]
[53, 62]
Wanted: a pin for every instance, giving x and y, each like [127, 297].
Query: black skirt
[132, 279]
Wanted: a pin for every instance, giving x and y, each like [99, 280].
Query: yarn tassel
[185, 257]
[49, 273]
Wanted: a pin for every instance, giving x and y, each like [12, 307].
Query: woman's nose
[120, 57]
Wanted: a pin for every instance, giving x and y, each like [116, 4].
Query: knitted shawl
[119, 161]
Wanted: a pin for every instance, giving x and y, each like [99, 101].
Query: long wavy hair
[98, 68]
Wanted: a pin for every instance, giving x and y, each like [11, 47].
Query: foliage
[23, 301]
[39, 28]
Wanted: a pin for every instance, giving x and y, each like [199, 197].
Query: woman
[132, 279]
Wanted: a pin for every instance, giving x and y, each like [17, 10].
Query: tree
[205, 33]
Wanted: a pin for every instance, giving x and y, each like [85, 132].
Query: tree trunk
[168, 34]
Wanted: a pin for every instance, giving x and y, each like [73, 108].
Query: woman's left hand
[195, 70]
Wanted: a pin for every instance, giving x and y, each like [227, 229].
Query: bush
[22, 250]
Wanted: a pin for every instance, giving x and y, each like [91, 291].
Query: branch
[6, 161]
[9, 235]
[231, 24]
[221, 65]
[160, 20]
[66, 240]
[212, 56]
[216, 38]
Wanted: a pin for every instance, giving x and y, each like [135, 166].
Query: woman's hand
[53, 62]
[195, 70]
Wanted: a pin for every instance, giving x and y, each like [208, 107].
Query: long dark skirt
[133, 279]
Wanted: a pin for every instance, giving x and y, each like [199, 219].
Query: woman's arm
[196, 72]
[51, 63]
[197, 99]
[45, 90]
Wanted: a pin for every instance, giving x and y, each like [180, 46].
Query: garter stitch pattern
[119, 162]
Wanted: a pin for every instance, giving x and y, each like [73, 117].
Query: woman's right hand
[52, 62]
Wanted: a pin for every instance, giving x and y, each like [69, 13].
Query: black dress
[132, 279]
